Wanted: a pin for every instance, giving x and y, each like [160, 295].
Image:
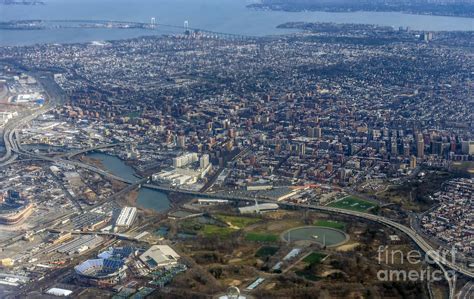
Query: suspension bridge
[153, 25]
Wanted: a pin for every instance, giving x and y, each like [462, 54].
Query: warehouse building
[126, 217]
[159, 256]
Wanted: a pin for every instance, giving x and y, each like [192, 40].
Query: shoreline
[278, 7]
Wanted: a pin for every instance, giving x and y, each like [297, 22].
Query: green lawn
[265, 251]
[261, 237]
[331, 224]
[314, 258]
[210, 230]
[353, 203]
[238, 221]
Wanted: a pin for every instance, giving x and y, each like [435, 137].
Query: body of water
[147, 198]
[318, 234]
[230, 16]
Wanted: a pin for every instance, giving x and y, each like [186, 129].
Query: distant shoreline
[458, 11]
[26, 3]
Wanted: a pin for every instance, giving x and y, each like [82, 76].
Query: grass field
[265, 251]
[259, 237]
[314, 258]
[352, 203]
[331, 224]
[210, 230]
[237, 221]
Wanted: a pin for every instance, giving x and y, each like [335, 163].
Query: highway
[467, 292]
[25, 117]
[90, 149]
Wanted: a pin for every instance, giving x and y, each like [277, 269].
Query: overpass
[90, 149]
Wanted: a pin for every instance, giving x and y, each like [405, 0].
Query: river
[147, 198]
[230, 16]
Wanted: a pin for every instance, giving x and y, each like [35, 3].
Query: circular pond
[325, 236]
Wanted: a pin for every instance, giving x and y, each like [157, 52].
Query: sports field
[352, 203]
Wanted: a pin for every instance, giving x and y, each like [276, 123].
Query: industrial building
[174, 178]
[126, 217]
[159, 256]
[78, 245]
[90, 221]
[59, 292]
[264, 207]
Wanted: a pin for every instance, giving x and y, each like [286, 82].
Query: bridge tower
[186, 27]
[153, 23]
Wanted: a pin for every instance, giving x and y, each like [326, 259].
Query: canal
[147, 198]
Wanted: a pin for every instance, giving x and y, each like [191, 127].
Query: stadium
[101, 272]
[13, 213]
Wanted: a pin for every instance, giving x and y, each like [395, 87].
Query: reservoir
[147, 198]
[229, 16]
[318, 234]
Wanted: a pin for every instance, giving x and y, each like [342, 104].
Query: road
[467, 292]
[54, 97]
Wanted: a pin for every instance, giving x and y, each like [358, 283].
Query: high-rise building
[412, 162]
[231, 133]
[394, 148]
[229, 145]
[184, 160]
[426, 36]
[253, 159]
[437, 148]
[342, 174]
[329, 167]
[302, 149]
[420, 149]
[318, 132]
[181, 141]
[204, 161]
[467, 147]
[406, 150]
[277, 148]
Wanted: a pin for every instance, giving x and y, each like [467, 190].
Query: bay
[229, 16]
